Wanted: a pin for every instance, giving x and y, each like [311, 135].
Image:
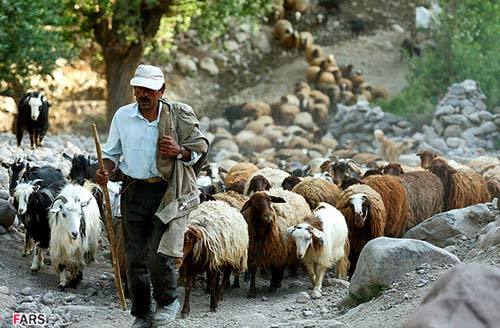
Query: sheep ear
[289, 232]
[36, 188]
[246, 206]
[6, 165]
[25, 100]
[223, 170]
[56, 206]
[275, 199]
[318, 236]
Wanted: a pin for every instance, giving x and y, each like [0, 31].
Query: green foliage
[467, 47]
[34, 35]
[219, 14]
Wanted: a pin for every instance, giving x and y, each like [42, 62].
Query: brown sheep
[238, 175]
[494, 188]
[316, 190]
[365, 214]
[395, 199]
[425, 195]
[256, 109]
[290, 182]
[462, 188]
[268, 215]
[426, 158]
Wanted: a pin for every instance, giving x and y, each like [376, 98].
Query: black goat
[82, 168]
[20, 171]
[32, 204]
[32, 115]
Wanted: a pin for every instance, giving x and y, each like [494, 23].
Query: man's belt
[128, 179]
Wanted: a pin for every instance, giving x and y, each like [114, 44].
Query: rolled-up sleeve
[113, 148]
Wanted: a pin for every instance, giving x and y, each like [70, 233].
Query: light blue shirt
[132, 142]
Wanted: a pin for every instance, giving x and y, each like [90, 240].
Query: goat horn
[61, 197]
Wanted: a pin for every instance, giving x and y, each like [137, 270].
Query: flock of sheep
[319, 221]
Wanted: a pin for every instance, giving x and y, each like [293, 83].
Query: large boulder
[7, 213]
[385, 260]
[466, 296]
[443, 229]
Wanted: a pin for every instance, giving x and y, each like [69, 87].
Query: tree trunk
[120, 68]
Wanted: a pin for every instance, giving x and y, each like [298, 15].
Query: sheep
[317, 190]
[395, 199]
[388, 149]
[425, 195]
[494, 188]
[75, 227]
[239, 173]
[232, 198]
[256, 109]
[274, 177]
[322, 241]
[32, 115]
[462, 188]
[216, 240]
[313, 51]
[365, 215]
[426, 158]
[281, 28]
[290, 182]
[343, 169]
[357, 25]
[268, 215]
[32, 204]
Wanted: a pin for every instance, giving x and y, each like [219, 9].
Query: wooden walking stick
[109, 222]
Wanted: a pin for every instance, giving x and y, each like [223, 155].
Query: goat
[75, 227]
[82, 168]
[32, 204]
[33, 115]
[21, 171]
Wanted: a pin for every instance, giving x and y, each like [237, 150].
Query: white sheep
[75, 225]
[321, 241]
[215, 242]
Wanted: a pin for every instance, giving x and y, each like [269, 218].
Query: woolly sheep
[274, 176]
[322, 241]
[317, 190]
[216, 240]
[365, 214]
[268, 215]
[462, 188]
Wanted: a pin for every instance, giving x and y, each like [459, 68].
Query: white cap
[148, 76]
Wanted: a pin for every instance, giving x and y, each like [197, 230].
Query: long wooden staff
[109, 222]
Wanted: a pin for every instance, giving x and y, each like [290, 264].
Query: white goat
[322, 241]
[75, 228]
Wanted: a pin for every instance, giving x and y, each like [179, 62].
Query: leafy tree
[123, 29]
[33, 34]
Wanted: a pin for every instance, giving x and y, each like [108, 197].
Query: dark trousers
[142, 232]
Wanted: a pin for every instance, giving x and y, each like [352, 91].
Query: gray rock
[48, 299]
[303, 297]
[440, 229]
[457, 89]
[470, 86]
[452, 131]
[186, 64]
[386, 260]
[26, 291]
[440, 144]
[208, 64]
[7, 214]
[466, 296]
[446, 110]
[468, 110]
[454, 142]
[231, 45]
[4, 290]
[456, 119]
